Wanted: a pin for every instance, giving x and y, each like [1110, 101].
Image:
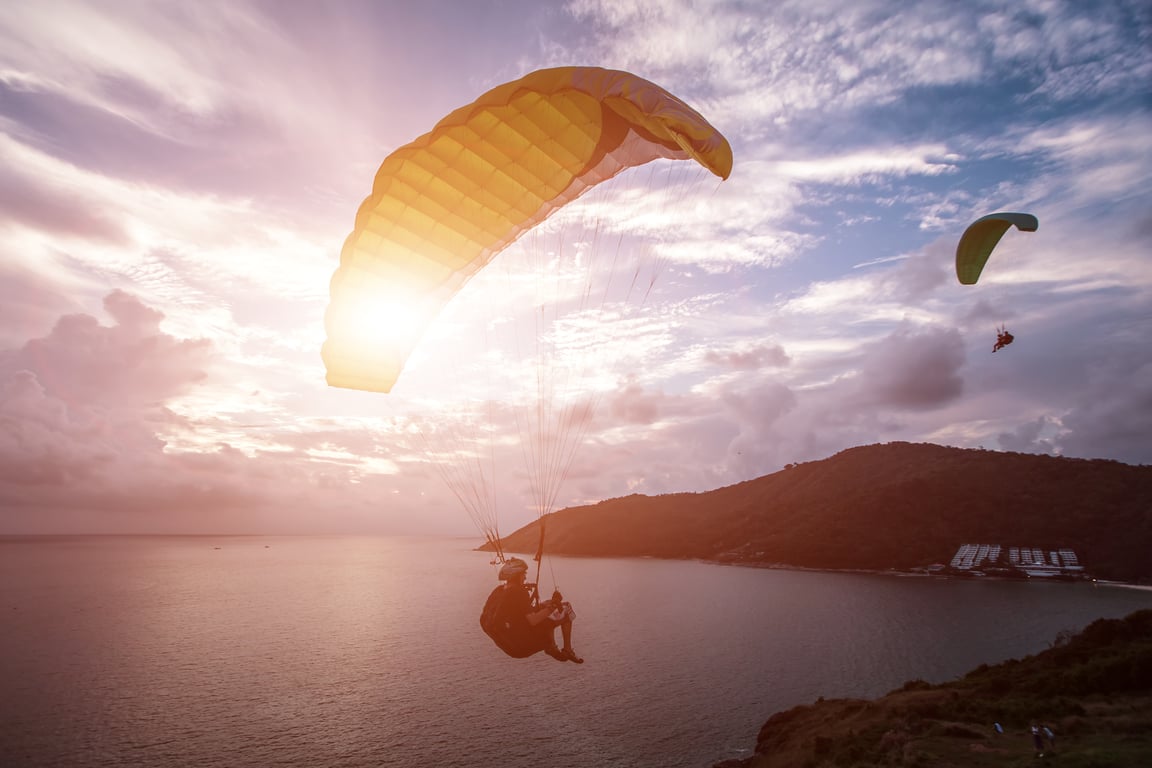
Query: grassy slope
[1094, 690]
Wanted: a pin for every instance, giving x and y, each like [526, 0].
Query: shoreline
[876, 572]
[940, 575]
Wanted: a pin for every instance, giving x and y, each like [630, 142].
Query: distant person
[519, 625]
[1037, 740]
[1049, 735]
[1003, 339]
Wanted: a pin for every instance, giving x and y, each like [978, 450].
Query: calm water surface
[313, 652]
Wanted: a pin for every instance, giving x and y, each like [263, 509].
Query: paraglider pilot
[1003, 338]
[532, 626]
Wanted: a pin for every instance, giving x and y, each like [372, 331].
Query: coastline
[951, 576]
[925, 574]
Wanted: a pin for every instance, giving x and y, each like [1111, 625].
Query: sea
[308, 652]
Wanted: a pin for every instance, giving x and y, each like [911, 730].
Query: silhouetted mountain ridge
[875, 507]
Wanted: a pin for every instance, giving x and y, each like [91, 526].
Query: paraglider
[520, 624]
[441, 209]
[1003, 338]
[980, 239]
[444, 205]
[977, 244]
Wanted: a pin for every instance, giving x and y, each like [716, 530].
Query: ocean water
[362, 651]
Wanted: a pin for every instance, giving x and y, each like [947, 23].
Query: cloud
[633, 405]
[30, 304]
[865, 165]
[207, 160]
[1113, 416]
[912, 370]
[130, 364]
[1078, 49]
[1103, 158]
[213, 99]
[755, 358]
[1027, 437]
[39, 203]
[41, 443]
[760, 406]
[89, 441]
[826, 56]
[757, 71]
[87, 397]
[915, 278]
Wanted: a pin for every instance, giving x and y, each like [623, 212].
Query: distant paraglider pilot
[1003, 338]
[519, 624]
[1037, 740]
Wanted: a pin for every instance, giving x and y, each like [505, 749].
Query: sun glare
[373, 315]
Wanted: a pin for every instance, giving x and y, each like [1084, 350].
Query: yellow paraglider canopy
[980, 239]
[444, 205]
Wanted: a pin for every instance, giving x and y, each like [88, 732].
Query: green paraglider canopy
[980, 239]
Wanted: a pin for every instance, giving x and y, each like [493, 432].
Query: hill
[877, 507]
[1094, 690]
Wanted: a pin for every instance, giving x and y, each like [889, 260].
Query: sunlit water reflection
[360, 651]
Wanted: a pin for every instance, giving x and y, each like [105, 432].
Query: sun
[372, 326]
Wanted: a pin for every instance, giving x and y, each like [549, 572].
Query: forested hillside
[897, 505]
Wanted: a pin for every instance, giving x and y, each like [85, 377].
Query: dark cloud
[1087, 368]
[912, 370]
[1142, 227]
[1027, 437]
[1113, 420]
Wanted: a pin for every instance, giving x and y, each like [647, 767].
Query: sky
[176, 181]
